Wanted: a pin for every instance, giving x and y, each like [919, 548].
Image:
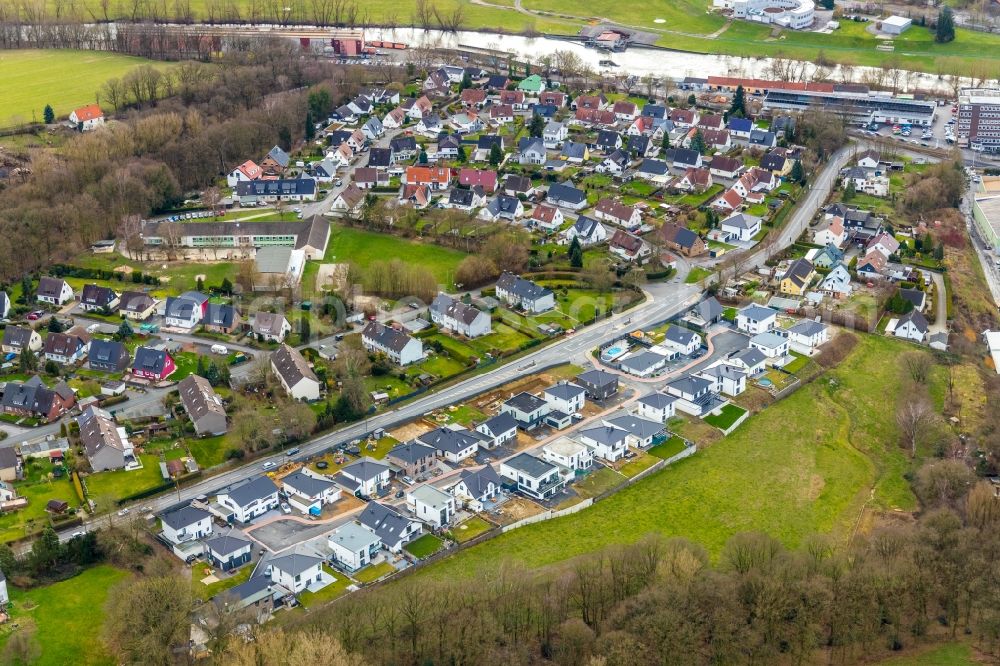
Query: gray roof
[532, 144]
[769, 339]
[655, 167]
[918, 320]
[107, 351]
[454, 308]
[386, 336]
[296, 563]
[530, 465]
[279, 156]
[680, 335]
[709, 309]
[365, 469]
[658, 400]
[574, 150]
[17, 336]
[808, 327]
[184, 516]
[758, 312]
[226, 544]
[354, 537]
[503, 204]
[683, 156]
[565, 391]
[307, 484]
[251, 589]
[525, 402]
[522, 288]
[256, 488]
[385, 521]
[150, 360]
[636, 425]
[502, 422]
[914, 296]
[689, 384]
[410, 452]
[642, 361]
[449, 440]
[268, 322]
[725, 371]
[598, 378]
[585, 226]
[605, 434]
[50, 286]
[291, 365]
[566, 192]
[751, 356]
[282, 187]
[219, 314]
[273, 259]
[741, 221]
[478, 481]
[761, 137]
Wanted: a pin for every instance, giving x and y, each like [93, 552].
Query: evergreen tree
[310, 132]
[575, 253]
[423, 157]
[939, 252]
[945, 31]
[462, 155]
[49, 115]
[226, 287]
[27, 361]
[466, 81]
[698, 143]
[496, 155]
[124, 331]
[54, 325]
[798, 174]
[738, 108]
[666, 140]
[849, 191]
[692, 100]
[537, 127]
[27, 289]
[305, 332]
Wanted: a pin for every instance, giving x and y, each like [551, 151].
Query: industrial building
[858, 107]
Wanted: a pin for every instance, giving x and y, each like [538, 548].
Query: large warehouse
[859, 107]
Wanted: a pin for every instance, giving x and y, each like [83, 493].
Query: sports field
[66, 79]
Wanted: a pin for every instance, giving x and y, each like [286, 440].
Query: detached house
[587, 231]
[270, 327]
[105, 443]
[681, 340]
[393, 528]
[454, 315]
[188, 523]
[741, 226]
[798, 276]
[18, 338]
[806, 335]
[725, 167]
[609, 210]
[294, 373]
[137, 305]
[249, 499]
[33, 398]
[554, 134]
[412, 458]
[534, 477]
[476, 489]
[203, 406]
[364, 477]
[276, 161]
[503, 207]
[565, 397]
[186, 311]
[95, 298]
[309, 492]
[566, 195]
[437, 178]
[608, 442]
[228, 551]
[547, 217]
[401, 348]
[296, 572]
[54, 291]
[108, 356]
[431, 505]
[527, 409]
[531, 150]
[912, 326]
[154, 364]
[524, 294]
[695, 180]
[628, 246]
[454, 445]
[222, 318]
[656, 406]
[682, 240]
[498, 429]
[87, 118]
[354, 546]
[65, 348]
[754, 319]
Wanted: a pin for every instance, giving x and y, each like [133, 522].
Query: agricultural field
[833, 441]
[64, 79]
[67, 617]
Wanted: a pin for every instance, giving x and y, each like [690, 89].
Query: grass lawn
[373, 572]
[33, 517]
[806, 464]
[696, 275]
[206, 592]
[728, 416]
[187, 364]
[68, 617]
[798, 362]
[949, 654]
[639, 464]
[668, 449]
[363, 248]
[465, 415]
[470, 529]
[328, 593]
[63, 78]
[425, 546]
[211, 451]
[177, 277]
[121, 483]
[599, 481]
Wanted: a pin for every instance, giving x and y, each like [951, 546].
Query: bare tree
[918, 365]
[915, 419]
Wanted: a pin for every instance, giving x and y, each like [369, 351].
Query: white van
[220, 349]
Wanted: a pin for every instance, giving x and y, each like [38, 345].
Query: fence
[548, 515]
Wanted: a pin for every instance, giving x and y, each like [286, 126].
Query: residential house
[750, 359]
[497, 82]
[600, 385]
[338, 158]
[275, 162]
[136, 305]
[625, 110]
[608, 442]
[565, 397]
[655, 171]
[10, 465]
[554, 134]
[524, 294]
[400, 347]
[105, 443]
[395, 118]
[466, 199]
[681, 340]
[54, 291]
[473, 97]
[643, 363]
[598, 101]
[485, 178]
[682, 240]
[545, 217]
[108, 356]
[695, 180]
[566, 195]
[798, 276]
[404, 147]
[95, 298]
[528, 410]
[154, 364]
[568, 454]
[223, 318]
[741, 226]
[419, 108]
[684, 118]
[533, 476]
[431, 505]
[641, 146]
[914, 296]
[587, 231]
[884, 243]
[418, 196]
[825, 257]
[608, 141]
[187, 523]
[452, 444]
[837, 282]
[18, 338]
[629, 247]
[640, 432]
[324, 171]
[740, 128]
[33, 399]
[595, 117]
[771, 344]
[476, 489]
[725, 167]
[437, 178]
[273, 191]
[718, 140]
[865, 181]
[531, 85]
[65, 348]
[806, 335]
[501, 114]
[912, 326]
[185, 311]
[610, 210]
[364, 477]
[575, 153]
[354, 546]
[373, 128]
[762, 139]
[228, 551]
[454, 315]
[656, 406]
[873, 265]
[830, 232]
[503, 207]
[728, 379]
[552, 98]
[270, 326]
[615, 164]
[514, 98]
[309, 492]
[412, 458]
[683, 158]
[293, 371]
[466, 122]
[531, 150]
[393, 528]
[296, 572]
[448, 145]
[754, 319]
[694, 394]
[869, 159]
[87, 118]
[203, 406]
[498, 430]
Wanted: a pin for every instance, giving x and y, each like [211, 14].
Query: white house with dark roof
[643, 363]
[294, 373]
[656, 406]
[565, 397]
[569, 454]
[392, 527]
[431, 505]
[401, 347]
[228, 551]
[741, 226]
[54, 291]
[771, 344]
[185, 311]
[641, 431]
[297, 571]
[750, 359]
[186, 524]
[498, 429]
[534, 477]
[354, 546]
[911, 326]
[806, 335]
[694, 394]
[478, 488]
[454, 315]
[608, 442]
[728, 379]
[16, 338]
[681, 340]
[587, 231]
[452, 444]
[309, 492]
[754, 319]
[271, 326]
[366, 477]
[203, 406]
[525, 294]
[527, 409]
[94, 298]
[250, 499]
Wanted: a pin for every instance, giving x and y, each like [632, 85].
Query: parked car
[285, 508]
[268, 466]
[35, 315]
